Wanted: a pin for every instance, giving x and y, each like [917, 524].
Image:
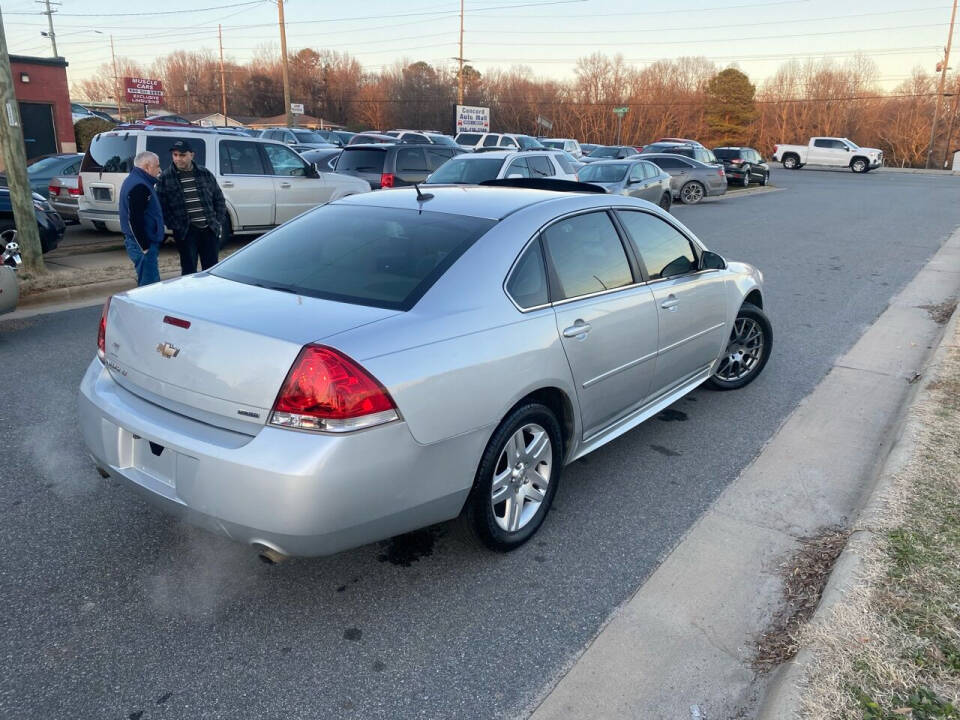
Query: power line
[144, 14]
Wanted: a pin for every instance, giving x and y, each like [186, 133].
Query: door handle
[227, 183]
[578, 329]
[284, 184]
[670, 303]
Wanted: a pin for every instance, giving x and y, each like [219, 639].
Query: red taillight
[720, 172]
[325, 390]
[53, 190]
[75, 191]
[386, 180]
[79, 185]
[102, 333]
[736, 161]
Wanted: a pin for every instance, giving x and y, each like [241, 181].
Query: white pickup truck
[830, 151]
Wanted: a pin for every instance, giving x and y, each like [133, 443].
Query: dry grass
[891, 648]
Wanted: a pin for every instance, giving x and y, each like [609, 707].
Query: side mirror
[711, 261]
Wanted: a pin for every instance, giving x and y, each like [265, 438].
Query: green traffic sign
[621, 110]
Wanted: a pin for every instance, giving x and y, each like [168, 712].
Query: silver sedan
[691, 179]
[397, 359]
[634, 178]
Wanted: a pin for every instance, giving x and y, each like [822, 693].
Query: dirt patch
[942, 312]
[804, 577]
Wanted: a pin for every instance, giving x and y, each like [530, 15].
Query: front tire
[691, 193]
[517, 478]
[765, 178]
[747, 351]
[666, 201]
[746, 177]
[859, 165]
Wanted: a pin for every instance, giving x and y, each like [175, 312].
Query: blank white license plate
[155, 460]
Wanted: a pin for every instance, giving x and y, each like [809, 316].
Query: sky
[545, 35]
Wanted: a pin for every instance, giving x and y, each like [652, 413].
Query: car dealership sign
[143, 90]
[473, 119]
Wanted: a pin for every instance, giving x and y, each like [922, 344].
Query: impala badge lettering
[168, 350]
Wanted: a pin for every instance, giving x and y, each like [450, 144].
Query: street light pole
[460, 58]
[223, 80]
[943, 78]
[15, 162]
[116, 80]
[286, 80]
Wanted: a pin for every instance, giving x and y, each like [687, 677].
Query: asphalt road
[111, 610]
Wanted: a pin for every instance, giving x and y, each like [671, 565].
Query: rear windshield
[384, 257]
[111, 153]
[468, 138]
[604, 152]
[527, 142]
[442, 140]
[362, 160]
[727, 153]
[45, 165]
[464, 171]
[603, 173]
[555, 144]
[308, 136]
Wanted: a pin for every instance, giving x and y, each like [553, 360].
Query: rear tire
[666, 201]
[517, 478]
[791, 162]
[226, 233]
[692, 193]
[747, 350]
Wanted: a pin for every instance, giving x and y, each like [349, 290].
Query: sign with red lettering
[143, 90]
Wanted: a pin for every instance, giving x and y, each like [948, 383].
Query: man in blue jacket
[141, 218]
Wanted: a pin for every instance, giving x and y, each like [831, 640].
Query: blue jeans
[144, 262]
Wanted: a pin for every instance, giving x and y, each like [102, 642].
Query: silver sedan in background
[691, 180]
[396, 359]
[634, 178]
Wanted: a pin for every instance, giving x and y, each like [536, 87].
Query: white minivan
[264, 183]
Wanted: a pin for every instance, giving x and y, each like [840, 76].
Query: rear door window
[490, 141]
[467, 139]
[518, 167]
[241, 158]
[384, 257]
[669, 163]
[411, 160]
[587, 255]
[161, 144]
[564, 164]
[111, 154]
[508, 142]
[540, 166]
[368, 161]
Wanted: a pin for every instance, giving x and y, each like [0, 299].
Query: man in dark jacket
[140, 217]
[193, 207]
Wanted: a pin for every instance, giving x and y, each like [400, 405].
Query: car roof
[494, 203]
[650, 156]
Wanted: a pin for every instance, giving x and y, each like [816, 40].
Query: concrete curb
[920, 171]
[784, 693]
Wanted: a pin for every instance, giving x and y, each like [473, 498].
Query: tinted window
[518, 167]
[527, 143]
[442, 140]
[112, 154]
[411, 160]
[528, 283]
[363, 255]
[604, 152]
[415, 138]
[664, 251]
[650, 170]
[822, 143]
[308, 136]
[587, 255]
[540, 166]
[564, 163]
[467, 138]
[362, 160]
[284, 161]
[555, 144]
[240, 158]
[46, 165]
[628, 151]
[160, 144]
[470, 172]
[508, 142]
[669, 163]
[490, 141]
[597, 172]
[728, 153]
[438, 156]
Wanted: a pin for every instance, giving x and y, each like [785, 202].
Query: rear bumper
[110, 218]
[67, 210]
[299, 493]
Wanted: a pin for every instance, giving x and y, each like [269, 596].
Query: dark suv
[743, 164]
[387, 166]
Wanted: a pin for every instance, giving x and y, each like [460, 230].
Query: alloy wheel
[692, 193]
[521, 477]
[744, 350]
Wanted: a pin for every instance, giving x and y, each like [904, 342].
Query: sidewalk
[683, 646]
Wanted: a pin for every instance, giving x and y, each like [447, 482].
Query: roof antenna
[422, 196]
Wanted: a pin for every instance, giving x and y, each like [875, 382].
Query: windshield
[308, 136]
[443, 140]
[384, 257]
[603, 173]
[42, 165]
[468, 138]
[604, 152]
[466, 171]
[527, 142]
[365, 160]
[851, 143]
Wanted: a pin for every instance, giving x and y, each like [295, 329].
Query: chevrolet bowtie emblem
[168, 350]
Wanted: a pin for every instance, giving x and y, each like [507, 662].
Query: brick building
[40, 86]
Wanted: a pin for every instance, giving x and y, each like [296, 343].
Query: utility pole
[943, 79]
[51, 34]
[116, 80]
[955, 106]
[460, 58]
[223, 81]
[15, 162]
[286, 79]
